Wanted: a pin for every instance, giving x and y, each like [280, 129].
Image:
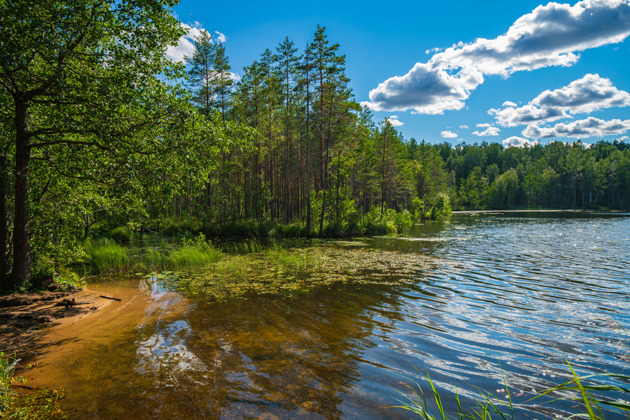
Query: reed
[588, 391]
[107, 257]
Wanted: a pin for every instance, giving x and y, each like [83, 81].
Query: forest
[103, 135]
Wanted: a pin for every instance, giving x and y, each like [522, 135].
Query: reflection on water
[526, 291]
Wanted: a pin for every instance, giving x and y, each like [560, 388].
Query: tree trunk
[5, 265]
[21, 243]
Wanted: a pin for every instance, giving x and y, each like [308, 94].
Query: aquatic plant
[194, 254]
[106, 257]
[591, 401]
[489, 405]
[287, 272]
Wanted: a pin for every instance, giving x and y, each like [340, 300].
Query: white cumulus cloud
[589, 127]
[448, 135]
[518, 142]
[590, 93]
[551, 35]
[425, 90]
[186, 44]
[220, 38]
[394, 121]
[489, 131]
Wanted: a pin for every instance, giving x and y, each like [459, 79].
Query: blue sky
[511, 72]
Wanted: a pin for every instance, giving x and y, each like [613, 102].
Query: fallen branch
[111, 298]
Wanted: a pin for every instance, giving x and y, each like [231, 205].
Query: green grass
[592, 402]
[7, 368]
[40, 404]
[107, 257]
[589, 393]
[193, 257]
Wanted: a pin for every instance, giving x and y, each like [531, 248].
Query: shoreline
[576, 211]
[27, 318]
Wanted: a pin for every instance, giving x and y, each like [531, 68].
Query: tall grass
[592, 402]
[485, 407]
[106, 256]
[194, 256]
[590, 394]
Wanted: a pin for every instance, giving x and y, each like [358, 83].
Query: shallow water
[517, 292]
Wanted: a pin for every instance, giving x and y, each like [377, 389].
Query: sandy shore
[25, 319]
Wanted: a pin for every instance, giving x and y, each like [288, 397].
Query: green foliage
[41, 404]
[587, 391]
[7, 369]
[121, 234]
[67, 279]
[194, 254]
[106, 256]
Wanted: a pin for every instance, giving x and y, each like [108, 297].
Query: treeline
[314, 155]
[102, 135]
[556, 175]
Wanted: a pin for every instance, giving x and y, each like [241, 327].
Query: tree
[79, 75]
[223, 79]
[201, 73]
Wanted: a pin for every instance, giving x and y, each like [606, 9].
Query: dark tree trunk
[5, 264]
[21, 244]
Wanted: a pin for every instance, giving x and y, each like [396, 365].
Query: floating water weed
[286, 272]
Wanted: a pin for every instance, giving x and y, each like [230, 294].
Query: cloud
[186, 44]
[589, 127]
[525, 115]
[425, 90]
[624, 138]
[220, 38]
[464, 127]
[448, 135]
[508, 103]
[394, 121]
[551, 35]
[518, 142]
[585, 95]
[489, 131]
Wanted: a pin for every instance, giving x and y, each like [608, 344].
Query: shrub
[121, 234]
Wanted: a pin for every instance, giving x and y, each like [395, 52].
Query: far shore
[539, 211]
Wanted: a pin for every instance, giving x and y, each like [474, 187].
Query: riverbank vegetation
[104, 137]
[37, 404]
[591, 392]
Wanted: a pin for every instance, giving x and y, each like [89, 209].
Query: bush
[121, 234]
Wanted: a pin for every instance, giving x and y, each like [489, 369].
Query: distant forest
[315, 155]
[101, 133]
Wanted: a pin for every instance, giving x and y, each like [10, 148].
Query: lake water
[518, 293]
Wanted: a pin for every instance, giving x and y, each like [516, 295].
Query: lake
[513, 294]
